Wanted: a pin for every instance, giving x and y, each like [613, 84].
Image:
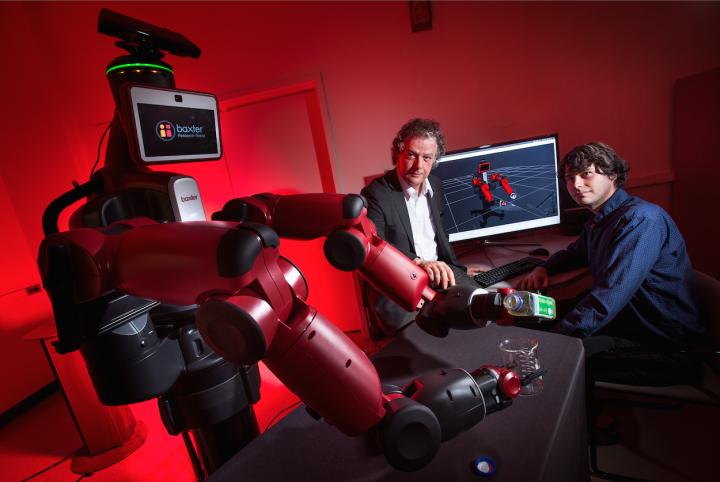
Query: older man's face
[416, 161]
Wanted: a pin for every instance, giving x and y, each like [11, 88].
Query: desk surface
[537, 438]
[562, 285]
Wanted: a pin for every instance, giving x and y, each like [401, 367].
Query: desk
[538, 438]
[562, 285]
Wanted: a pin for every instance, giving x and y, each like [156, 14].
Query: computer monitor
[500, 188]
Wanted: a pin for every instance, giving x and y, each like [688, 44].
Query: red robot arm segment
[238, 328]
[187, 263]
[352, 241]
[311, 356]
[506, 186]
[381, 264]
[485, 188]
[92, 253]
[328, 372]
[296, 216]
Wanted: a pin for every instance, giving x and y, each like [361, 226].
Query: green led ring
[129, 66]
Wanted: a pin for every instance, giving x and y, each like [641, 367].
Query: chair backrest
[707, 289]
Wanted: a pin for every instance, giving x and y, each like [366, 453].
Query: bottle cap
[513, 301]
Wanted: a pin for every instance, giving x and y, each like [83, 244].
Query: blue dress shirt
[642, 277]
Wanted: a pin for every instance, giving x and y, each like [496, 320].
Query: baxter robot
[165, 304]
[485, 180]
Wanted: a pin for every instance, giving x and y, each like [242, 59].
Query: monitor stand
[506, 240]
[472, 245]
[485, 242]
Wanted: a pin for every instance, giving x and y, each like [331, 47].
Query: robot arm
[252, 307]
[485, 189]
[497, 177]
[353, 244]
[352, 241]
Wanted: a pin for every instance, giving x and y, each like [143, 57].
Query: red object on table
[506, 319]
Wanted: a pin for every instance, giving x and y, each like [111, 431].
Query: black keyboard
[506, 271]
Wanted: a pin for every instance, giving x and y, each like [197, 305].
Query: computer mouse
[539, 252]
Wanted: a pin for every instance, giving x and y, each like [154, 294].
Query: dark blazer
[388, 210]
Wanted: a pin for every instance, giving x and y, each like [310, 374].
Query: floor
[38, 445]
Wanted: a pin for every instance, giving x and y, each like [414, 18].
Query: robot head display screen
[174, 125]
[498, 189]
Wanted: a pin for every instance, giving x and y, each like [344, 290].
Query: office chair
[705, 392]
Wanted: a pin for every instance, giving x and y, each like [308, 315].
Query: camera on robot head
[142, 39]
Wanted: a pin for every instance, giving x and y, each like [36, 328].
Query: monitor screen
[175, 126]
[501, 188]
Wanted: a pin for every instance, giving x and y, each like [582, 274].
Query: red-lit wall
[696, 154]
[488, 71]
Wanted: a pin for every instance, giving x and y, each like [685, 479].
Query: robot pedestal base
[109, 434]
[84, 463]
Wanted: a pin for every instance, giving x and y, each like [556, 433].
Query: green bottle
[525, 303]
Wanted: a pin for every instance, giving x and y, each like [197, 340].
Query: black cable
[53, 465]
[57, 205]
[79, 191]
[97, 159]
[289, 407]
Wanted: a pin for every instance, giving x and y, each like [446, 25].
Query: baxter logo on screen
[165, 130]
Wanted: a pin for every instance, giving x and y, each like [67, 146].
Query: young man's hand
[537, 279]
[472, 271]
[439, 273]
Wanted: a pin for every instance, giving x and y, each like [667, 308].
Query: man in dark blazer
[407, 208]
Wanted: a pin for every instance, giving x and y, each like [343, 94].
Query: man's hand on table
[439, 273]
[536, 280]
[472, 271]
